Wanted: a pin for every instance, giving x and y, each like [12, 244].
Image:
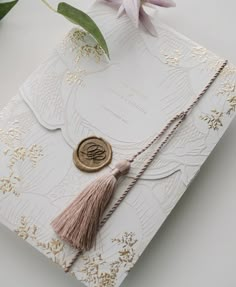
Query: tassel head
[79, 223]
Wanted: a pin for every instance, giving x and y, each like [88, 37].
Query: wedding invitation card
[77, 93]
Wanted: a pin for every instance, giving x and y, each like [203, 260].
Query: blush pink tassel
[78, 224]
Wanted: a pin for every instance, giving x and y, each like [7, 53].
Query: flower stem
[48, 5]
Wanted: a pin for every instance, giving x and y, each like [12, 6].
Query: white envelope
[78, 92]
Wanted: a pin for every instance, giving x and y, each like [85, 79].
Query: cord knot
[121, 168]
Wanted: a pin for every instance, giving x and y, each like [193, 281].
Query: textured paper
[76, 93]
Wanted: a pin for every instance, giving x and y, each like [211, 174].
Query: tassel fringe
[78, 224]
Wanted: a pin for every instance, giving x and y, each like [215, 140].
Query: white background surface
[197, 244]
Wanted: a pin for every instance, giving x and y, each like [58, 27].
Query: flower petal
[163, 3]
[121, 11]
[145, 20]
[132, 8]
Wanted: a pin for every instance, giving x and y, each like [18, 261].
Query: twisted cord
[179, 118]
[140, 173]
[169, 124]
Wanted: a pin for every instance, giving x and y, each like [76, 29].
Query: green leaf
[80, 18]
[6, 7]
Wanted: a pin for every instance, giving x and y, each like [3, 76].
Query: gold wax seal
[92, 154]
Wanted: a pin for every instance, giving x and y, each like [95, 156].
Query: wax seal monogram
[92, 154]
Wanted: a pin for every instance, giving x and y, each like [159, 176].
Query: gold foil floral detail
[228, 90]
[200, 53]
[205, 57]
[81, 45]
[8, 184]
[10, 136]
[89, 50]
[53, 248]
[34, 153]
[25, 230]
[172, 59]
[75, 77]
[95, 270]
[228, 71]
[78, 41]
[214, 120]
[232, 104]
[77, 35]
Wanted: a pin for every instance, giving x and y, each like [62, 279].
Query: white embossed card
[76, 93]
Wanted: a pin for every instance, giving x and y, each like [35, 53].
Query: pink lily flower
[135, 11]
